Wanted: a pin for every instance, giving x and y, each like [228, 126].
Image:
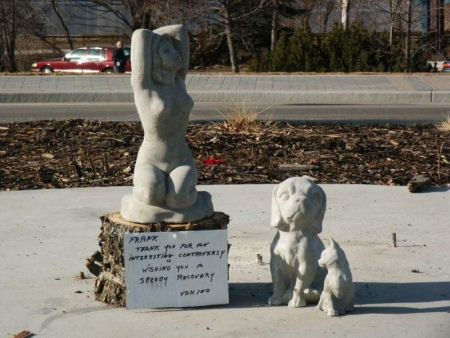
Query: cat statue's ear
[330, 243]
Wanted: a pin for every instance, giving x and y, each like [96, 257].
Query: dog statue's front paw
[275, 300]
[333, 313]
[297, 301]
[312, 295]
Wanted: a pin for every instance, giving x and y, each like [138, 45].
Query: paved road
[47, 235]
[368, 98]
[204, 111]
[273, 89]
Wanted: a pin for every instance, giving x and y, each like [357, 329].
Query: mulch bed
[78, 153]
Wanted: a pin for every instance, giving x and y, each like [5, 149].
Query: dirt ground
[78, 153]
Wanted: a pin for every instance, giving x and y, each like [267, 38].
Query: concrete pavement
[47, 234]
[267, 89]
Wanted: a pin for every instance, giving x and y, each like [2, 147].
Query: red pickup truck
[82, 60]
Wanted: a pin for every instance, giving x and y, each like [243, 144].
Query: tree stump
[108, 263]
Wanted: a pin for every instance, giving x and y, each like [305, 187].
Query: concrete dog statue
[298, 208]
[338, 294]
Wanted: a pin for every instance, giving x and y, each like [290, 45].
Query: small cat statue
[338, 293]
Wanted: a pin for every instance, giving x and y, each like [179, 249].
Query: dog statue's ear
[316, 226]
[275, 217]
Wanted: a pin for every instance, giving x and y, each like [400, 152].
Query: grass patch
[244, 117]
[444, 126]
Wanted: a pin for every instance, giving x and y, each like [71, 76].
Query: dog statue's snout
[299, 201]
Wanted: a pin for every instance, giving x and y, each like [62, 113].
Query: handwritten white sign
[176, 269]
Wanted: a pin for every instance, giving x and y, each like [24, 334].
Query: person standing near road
[119, 58]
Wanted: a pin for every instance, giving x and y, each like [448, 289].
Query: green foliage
[300, 51]
[354, 50]
[278, 58]
[260, 62]
[351, 50]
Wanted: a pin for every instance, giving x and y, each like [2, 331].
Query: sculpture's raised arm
[145, 53]
[179, 35]
[141, 58]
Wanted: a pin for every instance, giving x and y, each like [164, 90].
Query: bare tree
[14, 16]
[140, 12]
[17, 17]
[328, 8]
[280, 9]
[305, 10]
[290, 13]
[227, 14]
[62, 22]
[401, 17]
[394, 15]
[345, 11]
[408, 35]
[9, 27]
[275, 24]
[393, 10]
[228, 27]
[149, 14]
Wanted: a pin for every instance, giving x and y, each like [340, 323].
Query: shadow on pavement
[363, 310]
[428, 190]
[256, 295]
[249, 294]
[382, 293]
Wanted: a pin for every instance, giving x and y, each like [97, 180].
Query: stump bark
[108, 263]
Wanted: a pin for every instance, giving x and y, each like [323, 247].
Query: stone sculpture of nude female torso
[165, 175]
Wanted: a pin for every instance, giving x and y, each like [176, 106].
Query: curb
[316, 97]
[271, 97]
[441, 97]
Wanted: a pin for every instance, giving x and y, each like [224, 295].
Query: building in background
[435, 15]
[436, 20]
[447, 16]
